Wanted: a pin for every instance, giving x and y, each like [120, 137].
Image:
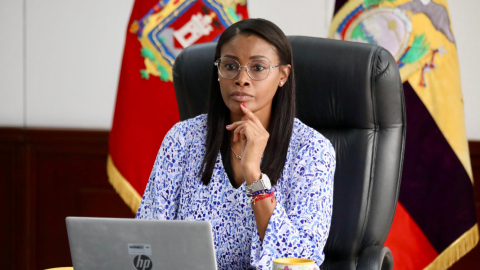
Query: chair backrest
[352, 94]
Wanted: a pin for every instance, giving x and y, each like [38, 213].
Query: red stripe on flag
[344, 31]
[145, 110]
[410, 247]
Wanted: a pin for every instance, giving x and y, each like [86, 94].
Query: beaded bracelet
[266, 191]
[260, 197]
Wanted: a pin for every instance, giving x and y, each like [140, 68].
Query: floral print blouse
[299, 225]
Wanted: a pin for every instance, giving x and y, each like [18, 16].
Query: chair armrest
[375, 258]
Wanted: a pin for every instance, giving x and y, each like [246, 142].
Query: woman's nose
[243, 79]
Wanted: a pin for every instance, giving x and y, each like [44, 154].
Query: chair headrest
[336, 82]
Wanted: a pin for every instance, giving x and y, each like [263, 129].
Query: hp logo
[142, 262]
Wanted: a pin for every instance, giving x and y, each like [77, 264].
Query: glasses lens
[259, 69]
[228, 68]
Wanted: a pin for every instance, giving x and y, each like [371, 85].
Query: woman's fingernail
[243, 104]
[228, 125]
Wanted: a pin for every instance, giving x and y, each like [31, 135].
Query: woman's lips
[241, 97]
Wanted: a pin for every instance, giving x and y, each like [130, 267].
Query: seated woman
[261, 177]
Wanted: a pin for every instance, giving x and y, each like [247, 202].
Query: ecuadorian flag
[435, 222]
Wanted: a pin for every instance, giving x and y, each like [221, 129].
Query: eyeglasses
[257, 70]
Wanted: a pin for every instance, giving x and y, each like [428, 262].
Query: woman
[261, 177]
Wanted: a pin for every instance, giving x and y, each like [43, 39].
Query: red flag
[146, 107]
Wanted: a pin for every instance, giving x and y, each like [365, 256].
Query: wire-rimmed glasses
[257, 69]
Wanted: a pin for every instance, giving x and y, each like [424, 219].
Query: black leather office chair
[353, 95]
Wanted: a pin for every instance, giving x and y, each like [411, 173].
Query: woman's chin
[235, 108]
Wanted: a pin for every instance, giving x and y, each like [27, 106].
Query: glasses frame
[246, 67]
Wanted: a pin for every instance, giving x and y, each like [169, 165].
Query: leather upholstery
[352, 94]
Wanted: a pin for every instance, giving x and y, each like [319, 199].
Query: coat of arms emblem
[172, 25]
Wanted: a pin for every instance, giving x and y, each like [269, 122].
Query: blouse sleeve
[161, 197]
[300, 225]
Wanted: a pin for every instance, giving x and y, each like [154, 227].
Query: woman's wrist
[252, 175]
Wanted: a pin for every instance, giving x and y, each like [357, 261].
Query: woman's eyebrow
[258, 57]
[251, 57]
[231, 56]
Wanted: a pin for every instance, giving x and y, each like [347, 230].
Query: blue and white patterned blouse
[299, 224]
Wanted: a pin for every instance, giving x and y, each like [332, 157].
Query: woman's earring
[218, 79]
[281, 83]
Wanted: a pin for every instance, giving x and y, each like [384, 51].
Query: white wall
[11, 63]
[465, 21]
[60, 60]
[301, 18]
[73, 51]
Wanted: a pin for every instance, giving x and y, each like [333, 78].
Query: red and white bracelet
[261, 196]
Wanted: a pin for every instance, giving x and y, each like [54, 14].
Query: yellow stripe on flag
[129, 195]
[442, 94]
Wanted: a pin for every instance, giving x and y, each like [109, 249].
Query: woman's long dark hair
[283, 104]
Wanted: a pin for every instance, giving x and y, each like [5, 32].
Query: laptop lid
[111, 243]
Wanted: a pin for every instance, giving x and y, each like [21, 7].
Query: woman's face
[257, 95]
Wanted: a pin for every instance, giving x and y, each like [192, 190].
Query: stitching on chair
[382, 72]
[404, 137]
[374, 60]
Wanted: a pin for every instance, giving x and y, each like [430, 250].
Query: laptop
[114, 243]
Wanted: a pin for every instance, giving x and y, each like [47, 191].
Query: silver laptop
[111, 243]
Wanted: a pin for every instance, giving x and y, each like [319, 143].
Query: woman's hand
[254, 138]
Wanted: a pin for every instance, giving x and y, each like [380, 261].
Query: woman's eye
[230, 66]
[258, 68]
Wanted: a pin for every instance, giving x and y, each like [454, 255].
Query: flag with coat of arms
[435, 222]
[146, 107]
